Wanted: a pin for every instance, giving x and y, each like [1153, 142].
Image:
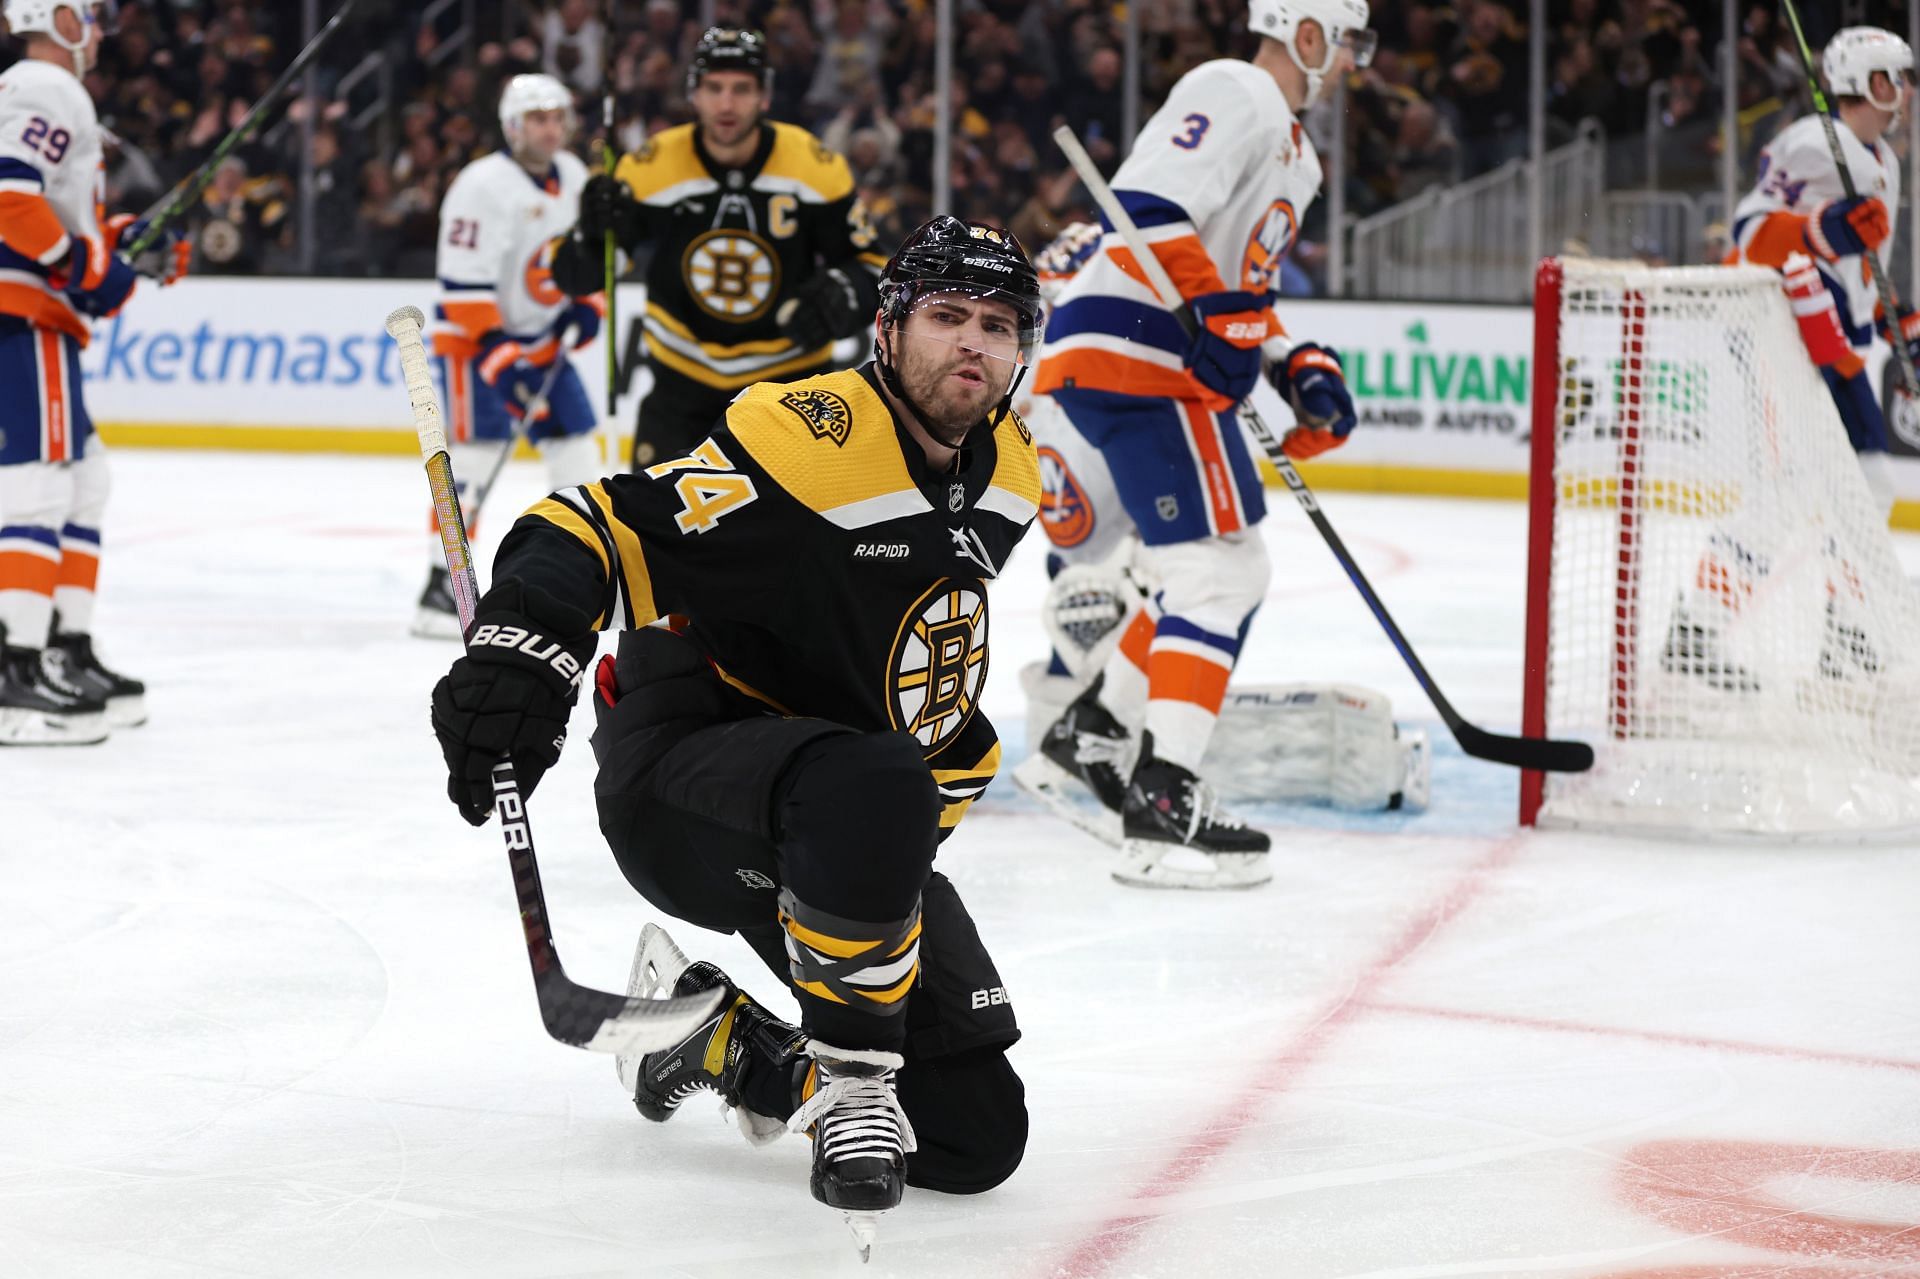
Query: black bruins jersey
[730, 244]
[819, 564]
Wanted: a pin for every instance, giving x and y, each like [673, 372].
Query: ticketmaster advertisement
[1442, 390]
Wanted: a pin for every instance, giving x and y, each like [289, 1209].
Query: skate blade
[1151, 864]
[657, 965]
[1055, 787]
[866, 1228]
[39, 728]
[433, 623]
[129, 711]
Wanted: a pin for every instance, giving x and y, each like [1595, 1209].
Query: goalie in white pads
[501, 324]
[1217, 180]
[60, 269]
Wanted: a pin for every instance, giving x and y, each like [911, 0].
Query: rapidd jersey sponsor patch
[826, 414]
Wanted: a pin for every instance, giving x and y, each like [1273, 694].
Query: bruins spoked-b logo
[827, 415]
[732, 274]
[939, 662]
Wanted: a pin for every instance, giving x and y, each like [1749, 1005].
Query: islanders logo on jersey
[1267, 248]
[1065, 512]
[827, 415]
[939, 662]
[537, 276]
[731, 274]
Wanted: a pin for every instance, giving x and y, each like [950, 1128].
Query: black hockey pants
[712, 807]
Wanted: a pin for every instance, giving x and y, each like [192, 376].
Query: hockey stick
[520, 428]
[1889, 305]
[170, 206]
[1521, 752]
[574, 1014]
[608, 249]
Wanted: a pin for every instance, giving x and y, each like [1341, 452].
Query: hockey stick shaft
[609, 250]
[1882, 283]
[524, 424]
[1520, 752]
[573, 1014]
[176, 202]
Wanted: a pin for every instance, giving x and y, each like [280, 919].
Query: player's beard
[947, 405]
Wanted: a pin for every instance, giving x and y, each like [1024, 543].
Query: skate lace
[53, 665]
[1206, 810]
[1097, 748]
[857, 1116]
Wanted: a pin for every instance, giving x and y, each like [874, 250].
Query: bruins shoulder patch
[827, 414]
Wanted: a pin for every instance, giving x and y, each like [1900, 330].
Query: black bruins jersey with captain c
[823, 569]
[730, 244]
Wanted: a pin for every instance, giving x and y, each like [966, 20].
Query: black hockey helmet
[946, 254]
[730, 49]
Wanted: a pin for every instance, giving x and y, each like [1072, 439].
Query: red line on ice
[1651, 1036]
[1108, 1241]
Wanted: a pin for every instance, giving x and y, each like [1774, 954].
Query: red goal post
[1713, 599]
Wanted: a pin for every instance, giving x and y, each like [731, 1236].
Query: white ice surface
[264, 1007]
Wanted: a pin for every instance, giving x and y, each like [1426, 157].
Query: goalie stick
[1889, 305]
[578, 1015]
[1520, 752]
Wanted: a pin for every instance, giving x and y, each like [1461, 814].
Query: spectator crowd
[405, 100]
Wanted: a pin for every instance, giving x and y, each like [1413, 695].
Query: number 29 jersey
[824, 571]
[50, 188]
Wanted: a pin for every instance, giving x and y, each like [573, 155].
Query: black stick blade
[1543, 755]
[604, 1023]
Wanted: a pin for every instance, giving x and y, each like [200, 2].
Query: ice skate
[714, 1057]
[40, 708]
[73, 659]
[435, 617]
[1087, 746]
[861, 1137]
[1178, 837]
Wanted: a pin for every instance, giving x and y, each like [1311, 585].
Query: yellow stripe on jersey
[952, 810]
[800, 157]
[637, 581]
[733, 682]
[666, 160]
[1017, 468]
[695, 371]
[829, 441]
[719, 350]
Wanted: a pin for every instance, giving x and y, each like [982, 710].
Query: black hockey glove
[837, 303]
[508, 697]
[607, 204]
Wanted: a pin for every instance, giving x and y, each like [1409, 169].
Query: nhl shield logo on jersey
[732, 274]
[1065, 513]
[939, 662]
[826, 414]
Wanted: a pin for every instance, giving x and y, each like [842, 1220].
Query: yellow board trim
[1430, 481]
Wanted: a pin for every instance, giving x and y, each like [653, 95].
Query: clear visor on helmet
[989, 322]
[1360, 44]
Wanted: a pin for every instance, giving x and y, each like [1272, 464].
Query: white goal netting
[1726, 621]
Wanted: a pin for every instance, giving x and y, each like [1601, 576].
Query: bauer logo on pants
[939, 662]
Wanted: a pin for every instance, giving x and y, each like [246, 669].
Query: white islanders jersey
[497, 226]
[1797, 176]
[49, 152]
[1218, 181]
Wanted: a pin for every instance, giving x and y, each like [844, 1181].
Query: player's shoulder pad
[664, 160]
[803, 165]
[829, 442]
[30, 86]
[1231, 91]
[1014, 490]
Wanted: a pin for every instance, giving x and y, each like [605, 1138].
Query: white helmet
[1343, 22]
[526, 93]
[36, 17]
[1853, 55]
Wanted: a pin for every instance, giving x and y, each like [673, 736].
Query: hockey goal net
[1713, 597]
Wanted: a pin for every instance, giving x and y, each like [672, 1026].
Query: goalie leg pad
[1333, 743]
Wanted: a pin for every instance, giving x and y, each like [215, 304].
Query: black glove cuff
[519, 625]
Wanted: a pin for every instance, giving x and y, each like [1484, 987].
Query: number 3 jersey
[822, 567]
[1217, 182]
[495, 260]
[50, 187]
